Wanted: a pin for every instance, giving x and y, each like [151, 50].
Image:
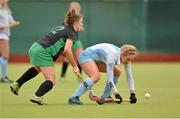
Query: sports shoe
[75, 101]
[14, 88]
[6, 80]
[37, 100]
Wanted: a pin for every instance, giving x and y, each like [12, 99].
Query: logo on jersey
[56, 29]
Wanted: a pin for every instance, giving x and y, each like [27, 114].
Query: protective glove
[133, 98]
[117, 96]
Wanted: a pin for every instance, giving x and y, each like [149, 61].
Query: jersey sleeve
[71, 35]
[110, 71]
[129, 77]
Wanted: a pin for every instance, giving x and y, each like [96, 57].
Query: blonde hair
[76, 6]
[7, 8]
[128, 49]
[73, 6]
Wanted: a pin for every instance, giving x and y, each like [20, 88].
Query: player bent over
[103, 58]
[44, 53]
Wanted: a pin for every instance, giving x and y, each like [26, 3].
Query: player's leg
[92, 71]
[117, 73]
[26, 76]
[35, 55]
[46, 86]
[4, 47]
[64, 69]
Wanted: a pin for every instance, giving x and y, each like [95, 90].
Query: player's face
[125, 59]
[79, 25]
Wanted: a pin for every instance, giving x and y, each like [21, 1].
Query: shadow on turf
[60, 104]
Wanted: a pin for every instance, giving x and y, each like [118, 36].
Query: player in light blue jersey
[105, 57]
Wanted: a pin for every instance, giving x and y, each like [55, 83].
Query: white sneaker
[37, 100]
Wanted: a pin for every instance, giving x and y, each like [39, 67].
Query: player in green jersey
[44, 53]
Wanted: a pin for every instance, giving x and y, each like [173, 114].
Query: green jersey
[45, 51]
[55, 40]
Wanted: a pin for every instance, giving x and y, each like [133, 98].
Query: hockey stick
[110, 100]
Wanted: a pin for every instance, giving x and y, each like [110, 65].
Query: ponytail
[72, 17]
[72, 6]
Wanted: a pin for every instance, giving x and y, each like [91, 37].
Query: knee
[95, 78]
[117, 72]
[53, 81]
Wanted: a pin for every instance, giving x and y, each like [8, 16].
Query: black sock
[44, 88]
[64, 69]
[29, 74]
[80, 69]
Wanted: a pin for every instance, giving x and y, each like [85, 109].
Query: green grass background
[161, 80]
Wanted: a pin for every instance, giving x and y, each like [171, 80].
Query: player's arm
[130, 82]
[68, 53]
[129, 77]
[13, 23]
[110, 74]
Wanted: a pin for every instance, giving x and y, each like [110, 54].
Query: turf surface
[161, 80]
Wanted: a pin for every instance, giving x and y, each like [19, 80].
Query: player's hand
[15, 23]
[133, 98]
[117, 96]
[2, 27]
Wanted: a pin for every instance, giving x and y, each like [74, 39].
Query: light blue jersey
[103, 53]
